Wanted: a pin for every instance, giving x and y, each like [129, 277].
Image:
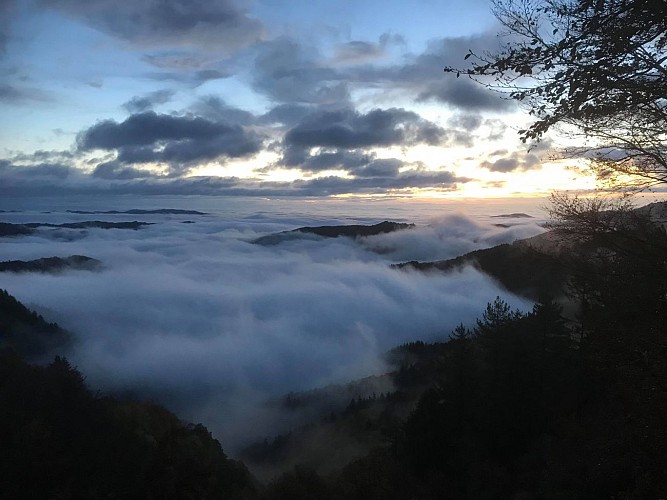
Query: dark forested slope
[59, 440]
[28, 333]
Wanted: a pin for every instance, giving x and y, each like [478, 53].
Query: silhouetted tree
[599, 68]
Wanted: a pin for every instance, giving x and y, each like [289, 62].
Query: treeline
[518, 407]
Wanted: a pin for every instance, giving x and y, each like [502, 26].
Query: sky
[258, 98]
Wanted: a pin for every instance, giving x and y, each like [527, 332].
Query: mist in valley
[190, 313]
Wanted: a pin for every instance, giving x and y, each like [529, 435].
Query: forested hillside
[60, 440]
[28, 333]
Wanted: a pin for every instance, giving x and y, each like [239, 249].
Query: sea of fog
[189, 312]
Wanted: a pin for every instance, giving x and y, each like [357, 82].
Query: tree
[597, 68]
[498, 314]
[460, 332]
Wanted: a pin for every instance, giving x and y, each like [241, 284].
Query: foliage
[598, 68]
[519, 407]
[28, 333]
[617, 261]
[61, 441]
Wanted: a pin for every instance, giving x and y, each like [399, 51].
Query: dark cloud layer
[224, 23]
[140, 104]
[113, 177]
[35, 172]
[287, 114]
[342, 140]
[215, 109]
[517, 161]
[335, 160]
[421, 76]
[288, 72]
[175, 140]
[349, 129]
[113, 170]
[463, 93]
[379, 178]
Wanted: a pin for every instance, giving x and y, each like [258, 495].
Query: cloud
[466, 121]
[194, 316]
[332, 160]
[145, 129]
[116, 171]
[171, 60]
[35, 171]
[6, 8]
[12, 94]
[216, 109]
[356, 163]
[349, 129]
[188, 77]
[44, 156]
[362, 52]
[113, 177]
[286, 114]
[357, 51]
[139, 104]
[517, 161]
[220, 25]
[421, 75]
[341, 136]
[213, 130]
[374, 182]
[288, 72]
[465, 94]
[385, 167]
[448, 237]
[175, 140]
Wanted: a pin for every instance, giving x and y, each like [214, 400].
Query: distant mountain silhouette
[138, 211]
[9, 229]
[91, 224]
[50, 264]
[518, 215]
[350, 231]
[518, 267]
[529, 267]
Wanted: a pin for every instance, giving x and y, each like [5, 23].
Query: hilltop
[349, 231]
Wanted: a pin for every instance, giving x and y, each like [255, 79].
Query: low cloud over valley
[199, 318]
